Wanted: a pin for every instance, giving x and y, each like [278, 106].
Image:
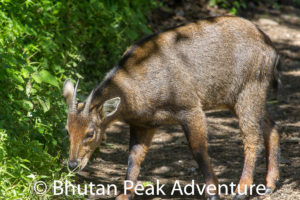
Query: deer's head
[85, 126]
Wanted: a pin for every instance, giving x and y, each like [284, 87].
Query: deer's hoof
[213, 197]
[269, 190]
[123, 197]
[239, 197]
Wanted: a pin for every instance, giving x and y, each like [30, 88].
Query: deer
[174, 77]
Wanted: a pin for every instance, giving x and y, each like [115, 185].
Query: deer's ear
[68, 91]
[110, 107]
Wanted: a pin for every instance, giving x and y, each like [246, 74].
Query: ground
[169, 157]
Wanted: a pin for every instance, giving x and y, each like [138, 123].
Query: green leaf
[48, 78]
[147, 183]
[212, 3]
[45, 104]
[132, 35]
[37, 78]
[32, 176]
[20, 87]
[233, 11]
[27, 104]
[24, 166]
[272, 102]
[45, 76]
[24, 72]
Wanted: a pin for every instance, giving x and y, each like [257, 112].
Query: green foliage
[233, 5]
[236, 6]
[41, 44]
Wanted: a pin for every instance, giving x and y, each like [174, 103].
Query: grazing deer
[172, 78]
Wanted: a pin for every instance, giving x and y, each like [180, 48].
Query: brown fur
[174, 76]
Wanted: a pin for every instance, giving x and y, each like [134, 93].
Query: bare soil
[169, 157]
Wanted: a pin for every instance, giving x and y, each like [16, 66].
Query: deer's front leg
[140, 141]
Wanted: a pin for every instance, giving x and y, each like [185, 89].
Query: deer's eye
[89, 134]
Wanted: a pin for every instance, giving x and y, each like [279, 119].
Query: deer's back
[206, 63]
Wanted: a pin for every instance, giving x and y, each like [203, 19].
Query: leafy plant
[233, 5]
[42, 43]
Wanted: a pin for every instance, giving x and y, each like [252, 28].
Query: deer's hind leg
[250, 110]
[271, 141]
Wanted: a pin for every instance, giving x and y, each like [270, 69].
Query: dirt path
[169, 158]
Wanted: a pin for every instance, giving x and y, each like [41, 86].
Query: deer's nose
[72, 164]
